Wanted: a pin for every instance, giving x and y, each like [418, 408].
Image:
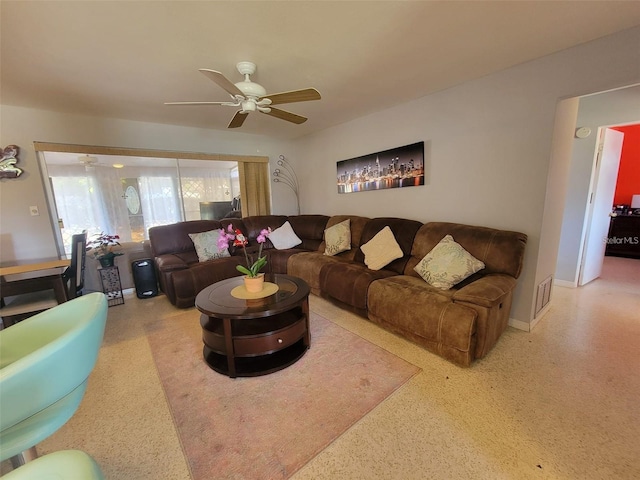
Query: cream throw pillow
[447, 264]
[206, 244]
[284, 237]
[337, 238]
[381, 250]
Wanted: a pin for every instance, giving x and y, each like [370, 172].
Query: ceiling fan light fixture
[249, 106]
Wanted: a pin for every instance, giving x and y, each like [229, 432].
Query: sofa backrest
[309, 229]
[502, 251]
[356, 225]
[404, 232]
[257, 223]
[175, 238]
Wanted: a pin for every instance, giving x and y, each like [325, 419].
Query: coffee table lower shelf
[258, 365]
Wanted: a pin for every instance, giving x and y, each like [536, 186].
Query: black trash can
[144, 278]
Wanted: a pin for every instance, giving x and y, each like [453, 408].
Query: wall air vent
[544, 295]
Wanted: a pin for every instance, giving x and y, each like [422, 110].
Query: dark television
[214, 210]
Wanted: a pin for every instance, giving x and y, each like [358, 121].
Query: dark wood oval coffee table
[245, 338]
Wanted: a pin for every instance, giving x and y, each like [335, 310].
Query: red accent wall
[629, 172]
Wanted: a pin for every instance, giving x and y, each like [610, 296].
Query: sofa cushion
[187, 283]
[337, 238]
[206, 244]
[447, 264]
[425, 315]
[348, 282]
[381, 250]
[308, 265]
[284, 237]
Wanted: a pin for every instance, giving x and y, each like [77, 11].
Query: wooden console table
[33, 276]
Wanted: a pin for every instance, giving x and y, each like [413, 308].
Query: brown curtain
[254, 188]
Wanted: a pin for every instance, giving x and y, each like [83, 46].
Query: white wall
[557, 181]
[488, 145]
[23, 236]
[606, 109]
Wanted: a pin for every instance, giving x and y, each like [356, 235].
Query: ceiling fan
[88, 161]
[251, 97]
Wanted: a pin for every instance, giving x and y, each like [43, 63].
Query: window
[203, 183]
[126, 195]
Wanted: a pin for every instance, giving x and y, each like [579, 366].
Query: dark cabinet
[624, 236]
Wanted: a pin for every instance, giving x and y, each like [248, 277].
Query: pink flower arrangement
[239, 240]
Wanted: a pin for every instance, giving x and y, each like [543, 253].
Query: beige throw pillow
[206, 244]
[338, 238]
[447, 264]
[381, 250]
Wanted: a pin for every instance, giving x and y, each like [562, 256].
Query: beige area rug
[268, 427]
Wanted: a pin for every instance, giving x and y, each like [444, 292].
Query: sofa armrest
[487, 291]
[170, 262]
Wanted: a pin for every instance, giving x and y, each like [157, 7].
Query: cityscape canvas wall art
[395, 168]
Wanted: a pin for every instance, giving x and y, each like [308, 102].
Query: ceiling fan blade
[303, 95]
[238, 119]
[223, 82]
[288, 116]
[230, 104]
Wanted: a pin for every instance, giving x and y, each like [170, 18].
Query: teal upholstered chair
[45, 362]
[63, 465]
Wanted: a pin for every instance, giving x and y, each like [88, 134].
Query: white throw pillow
[381, 250]
[447, 264]
[284, 237]
[206, 244]
[338, 238]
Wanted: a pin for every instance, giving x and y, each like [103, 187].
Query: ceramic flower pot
[254, 284]
[107, 261]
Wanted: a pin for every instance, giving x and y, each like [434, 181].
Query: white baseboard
[564, 283]
[529, 326]
[519, 324]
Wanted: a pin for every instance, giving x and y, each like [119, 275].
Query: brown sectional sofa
[460, 324]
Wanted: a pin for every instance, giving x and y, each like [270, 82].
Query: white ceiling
[124, 59]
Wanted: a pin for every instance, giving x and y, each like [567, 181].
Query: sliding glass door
[128, 195]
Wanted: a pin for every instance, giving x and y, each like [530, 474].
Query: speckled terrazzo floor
[560, 402]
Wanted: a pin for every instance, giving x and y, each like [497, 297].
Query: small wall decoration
[395, 168]
[8, 167]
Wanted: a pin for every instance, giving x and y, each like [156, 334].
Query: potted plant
[253, 280]
[102, 245]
